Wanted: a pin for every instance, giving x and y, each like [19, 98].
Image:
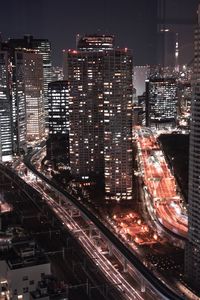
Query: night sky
[133, 22]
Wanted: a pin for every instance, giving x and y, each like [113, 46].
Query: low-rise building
[21, 268]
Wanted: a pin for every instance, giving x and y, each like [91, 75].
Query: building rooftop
[50, 288]
[25, 253]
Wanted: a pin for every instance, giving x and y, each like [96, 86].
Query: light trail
[148, 280]
[160, 183]
[113, 275]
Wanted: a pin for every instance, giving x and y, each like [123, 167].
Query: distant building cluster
[88, 115]
[88, 107]
[163, 97]
[25, 71]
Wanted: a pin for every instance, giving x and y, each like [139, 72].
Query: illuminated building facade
[15, 90]
[5, 108]
[118, 156]
[100, 113]
[161, 102]
[192, 253]
[33, 83]
[43, 46]
[57, 73]
[58, 141]
[184, 104]
[25, 88]
[95, 43]
[18, 102]
[85, 71]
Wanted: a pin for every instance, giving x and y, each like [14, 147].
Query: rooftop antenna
[177, 54]
[77, 40]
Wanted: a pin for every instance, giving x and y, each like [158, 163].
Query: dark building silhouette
[58, 111]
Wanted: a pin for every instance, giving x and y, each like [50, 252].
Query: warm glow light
[155, 236]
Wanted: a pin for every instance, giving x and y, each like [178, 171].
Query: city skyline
[137, 28]
[100, 150]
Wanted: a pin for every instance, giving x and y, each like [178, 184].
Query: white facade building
[20, 274]
[5, 109]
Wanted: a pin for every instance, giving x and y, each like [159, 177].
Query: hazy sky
[134, 23]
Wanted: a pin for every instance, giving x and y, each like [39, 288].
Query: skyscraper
[5, 108]
[25, 88]
[85, 71]
[118, 156]
[166, 47]
[100, 113]
[43, 46]
[58, 141]
[18, 101]
[192, 253]
[15, 91]
[33, 83]
[140, 75]
[161, 102]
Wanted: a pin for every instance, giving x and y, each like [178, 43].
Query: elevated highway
[148, 279]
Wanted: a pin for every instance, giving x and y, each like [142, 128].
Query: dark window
[25, 290]
[25, 278]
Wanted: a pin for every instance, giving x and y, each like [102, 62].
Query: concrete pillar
[90, 231]
[39, 216]
[110, 250]
[59, 200]
[125, 265]
[75, 213]
[143, 287]
[63, 253]
[87, 287]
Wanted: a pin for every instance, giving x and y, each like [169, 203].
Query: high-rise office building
[33, 84]
[166, 47]
[118, 156]
[26, 90]
[100, 113]
[15, 88]
[57, 73]
[192, 253]
[161, 102]
[95, 43]
[43, 46]
[18, 101]
[58, 141]
[140, 75]
[5, 108]
[85, 71]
